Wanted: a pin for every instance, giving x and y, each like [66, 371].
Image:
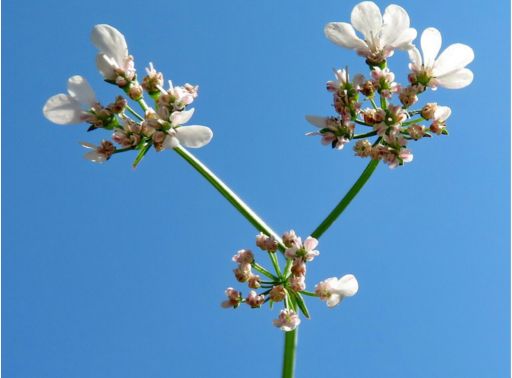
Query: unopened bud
[277, 294]
[428, 110]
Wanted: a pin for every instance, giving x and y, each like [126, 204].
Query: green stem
[275, 264]
[227, 193]
[372, 101]
[413, 121]
[265, 272]
[290, 347]
[129, 108]
[362, 123]
[335, 213]
[366, 135]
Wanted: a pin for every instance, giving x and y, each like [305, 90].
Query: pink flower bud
[298, 283]
[254, 282]
[243, 272]
[234, 298]
[254, 300]
[277, 294]
[244, 256]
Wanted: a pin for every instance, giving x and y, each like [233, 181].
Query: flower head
[287, 321]
[382, 33]
[234, 298]
[447, 70]
[333, 290]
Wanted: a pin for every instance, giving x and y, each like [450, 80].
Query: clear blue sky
[111, 272]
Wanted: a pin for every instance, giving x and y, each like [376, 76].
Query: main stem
[341, 206]
[290, 347]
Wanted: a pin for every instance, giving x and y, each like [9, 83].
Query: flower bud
[287, 321]
[135, 92]
[234, 298]
[298, 283]
[254, 300]
[363, 148]
[290, 238]
[277, 294]
[254, 282]
[416, 131]
[243, 272]
[428, 110]
[244, 256]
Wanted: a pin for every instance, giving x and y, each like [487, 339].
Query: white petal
[310, 243]
[347, 286]
[62, 110]
[110, 42]
[95, 157]
[317, 121]
[367, 19]
[455, 57]
[343, 35]
[105, 66]
[171, 142]
[194, 136]
[88, 145]
[404, 40]
[80, 90]
[333, 300]
[415, 57]
[179, 118]
[456, 79]
[430, 45]
[442, 113]
[396, 21]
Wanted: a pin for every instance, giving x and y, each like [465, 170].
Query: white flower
[67, 109]
[382, 34]
[193, 136]
[333, 133]
[113, 55]
[333, 290]
[99, 154]
[448, 69]
[305, 251]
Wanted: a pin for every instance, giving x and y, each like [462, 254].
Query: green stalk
[336, 212]
[227, 193]
[290, 347]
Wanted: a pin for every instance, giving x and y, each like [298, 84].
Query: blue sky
[113, 272]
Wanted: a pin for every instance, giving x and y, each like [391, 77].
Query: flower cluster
[287, 286]
[393, 125]
[161, 126]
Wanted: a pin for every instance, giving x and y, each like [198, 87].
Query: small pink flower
[254, 282]
[234, 298]
[254, 300]
[298, 283]
[290, 238]
[298, 268]
[305, 251]
[277, 294]
[244, 256]
[287, 321]
[333, 290]
[266, 243]
[243, 272]
[441, 114]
